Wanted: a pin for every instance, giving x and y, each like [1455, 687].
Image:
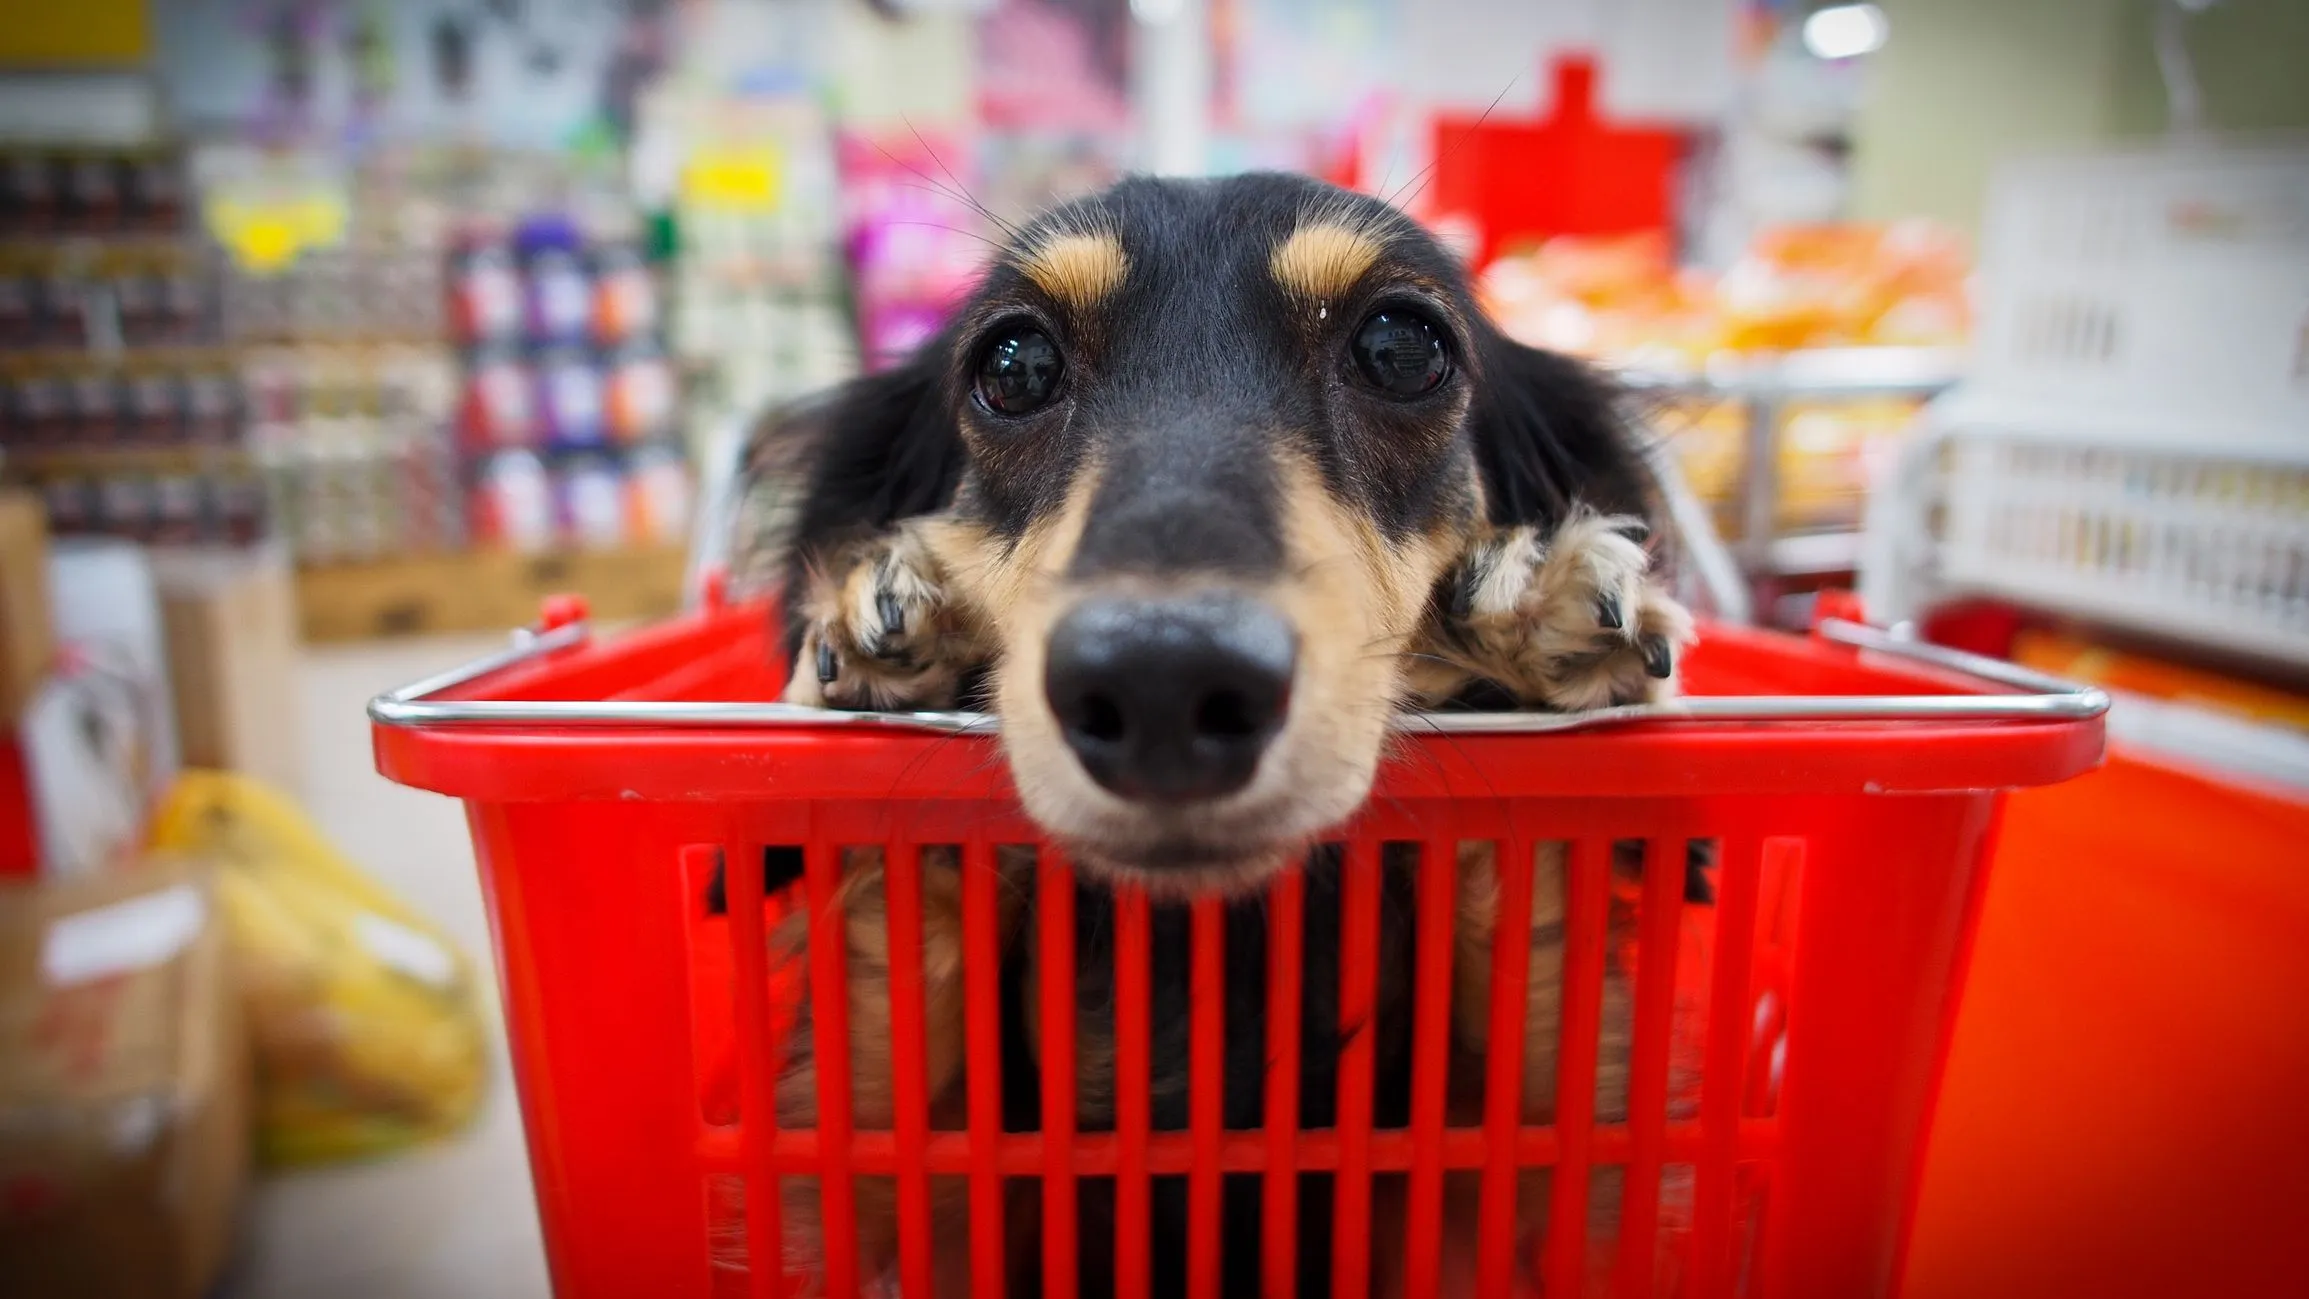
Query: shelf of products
[120, 396]
[1780, 384]
[566, 406]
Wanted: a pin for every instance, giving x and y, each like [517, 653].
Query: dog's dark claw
[1607, 612]
[893, 614]
[829, 666]
[1463, 594]
[1659, 659]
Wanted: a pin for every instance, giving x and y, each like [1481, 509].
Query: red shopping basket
[1787, 1037]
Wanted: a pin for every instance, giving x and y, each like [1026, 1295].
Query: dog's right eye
[1019, 372]
[1402, 353]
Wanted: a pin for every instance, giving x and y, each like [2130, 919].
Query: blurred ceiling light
[1154, 13]
[1845, 31]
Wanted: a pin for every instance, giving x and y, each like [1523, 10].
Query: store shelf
[1812, 372]
[481, 591]
[1809, 554]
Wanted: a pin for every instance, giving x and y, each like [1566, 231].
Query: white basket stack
[2132, 446]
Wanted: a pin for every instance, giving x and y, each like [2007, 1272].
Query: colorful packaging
[19, 304]
[640, 398]
[570, 399]
[177, 517]
[154, 402]
[590, 494]
[658, 497]
[96, 405]
[2077, 659]
[92, 194]
[484, 294]
[211, 405]
[513, 502]
[556, 291]
[499, 406]
[625, 304]
[28, 194]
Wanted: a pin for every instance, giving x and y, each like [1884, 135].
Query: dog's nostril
[1229, 715]
[1100, 718]
[1170, 700]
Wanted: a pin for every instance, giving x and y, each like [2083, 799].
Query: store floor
[454, 1221]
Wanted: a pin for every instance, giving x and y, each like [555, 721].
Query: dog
[1206, 483]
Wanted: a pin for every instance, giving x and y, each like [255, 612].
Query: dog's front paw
[881, 633]
[1575, 620]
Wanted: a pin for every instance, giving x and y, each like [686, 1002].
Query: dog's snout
[1170, 700]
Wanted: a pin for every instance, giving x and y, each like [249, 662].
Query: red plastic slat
[1279, 1202]
[909, 1069]
[1054, 905]
[1132, 1258]
[1730, 1020]
[1207, 986]
[982, 1012]
[1503, 1068]
[1430, 1063]
[757, 1067]
[1358, 987]
[1097, 1154]
[1589, 885]
[1660, 927]
[830, 1041]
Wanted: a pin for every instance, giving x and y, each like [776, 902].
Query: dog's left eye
[1402, 352]
[1019, 372]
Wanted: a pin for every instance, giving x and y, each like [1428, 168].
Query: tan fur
[1534, 625]
[914, 666]
[1078, 268]
[1355, 600]
[1323, 259]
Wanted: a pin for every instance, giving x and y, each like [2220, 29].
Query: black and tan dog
[1207, 481]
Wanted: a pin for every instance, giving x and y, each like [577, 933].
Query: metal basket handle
[2044, 698]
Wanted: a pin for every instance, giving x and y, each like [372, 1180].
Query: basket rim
[2042, 698]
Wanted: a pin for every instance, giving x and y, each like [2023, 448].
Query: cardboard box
[230, 617]
[124, 1087]
[27, 636]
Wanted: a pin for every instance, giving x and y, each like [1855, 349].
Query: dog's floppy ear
[880, 448]
[1550, 433]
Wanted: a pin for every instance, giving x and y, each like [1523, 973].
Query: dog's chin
[1227, 848]
[1181, 869]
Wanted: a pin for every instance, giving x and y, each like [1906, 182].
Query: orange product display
[2123, 1110]
[1621, 298]
[1829, 451]
[2077, 659]
[1813, 995]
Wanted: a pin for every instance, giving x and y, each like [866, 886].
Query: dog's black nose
[1170, 700]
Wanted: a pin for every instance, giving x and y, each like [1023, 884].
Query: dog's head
[1205, 449]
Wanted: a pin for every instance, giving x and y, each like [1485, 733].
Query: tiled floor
[449, 1222]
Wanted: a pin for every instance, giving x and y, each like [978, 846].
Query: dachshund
[1206, 482]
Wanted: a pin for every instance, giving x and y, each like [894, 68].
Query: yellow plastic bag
[368, 1034]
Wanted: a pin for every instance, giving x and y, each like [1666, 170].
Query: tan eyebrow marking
[1079, 270]
[1323, 260]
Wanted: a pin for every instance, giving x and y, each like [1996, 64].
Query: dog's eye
[1019, 372]
[1402, 352]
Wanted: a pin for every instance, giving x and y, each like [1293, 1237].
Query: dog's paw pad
[879, 634]
[1574, 620]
